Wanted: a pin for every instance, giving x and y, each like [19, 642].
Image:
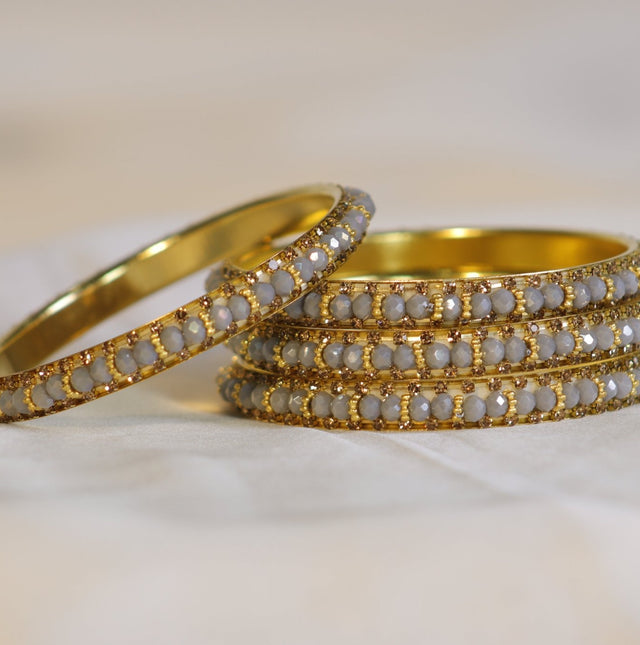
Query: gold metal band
[448, 329]
[313, 213]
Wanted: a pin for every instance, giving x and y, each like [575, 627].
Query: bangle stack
[450, 329]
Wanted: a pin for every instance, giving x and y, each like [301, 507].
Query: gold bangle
[460, 276]
[419, 405]
[331, 221]
[442, 353]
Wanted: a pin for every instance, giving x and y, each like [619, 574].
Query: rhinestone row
[418, 405]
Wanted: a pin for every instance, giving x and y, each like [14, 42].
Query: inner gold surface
[470, 253]
[466, 252]
[159, 265]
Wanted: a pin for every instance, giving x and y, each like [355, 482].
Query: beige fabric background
[156, 516]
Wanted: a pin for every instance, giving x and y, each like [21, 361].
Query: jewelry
[399, 347]
[432, 405]
[458, 276]
[330, 221]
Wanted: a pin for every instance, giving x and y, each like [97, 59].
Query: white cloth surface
[158, 516]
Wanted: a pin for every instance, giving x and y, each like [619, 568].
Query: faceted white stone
[321, 404]
[437, 355]
[571, 395]
[332, 355]
[6, 404]
[480, 305]
[279, 400]
[597, 286]
[239, 307]
[589, 341]
[305, 268]
[442, 406]
[626, 332]
[257, 396]
[504, 302]
[553, 295]
[340, 307]
[418, 307]
[331, 242]
[357, 221]
[54, 388]
[295, 310]
[193, 331]
[40, 397]
[382, 357]
[236, 343]
[19, 402]
[582, 295]
[100, 372]
[125, 363]
[630, 280]
[545, 399]
[610, 387]
[546, 346]
[221, 317]
[307, 354]
[254, 349]
[265, 293]
[588, 390]
[461, 354]
[605, 338]
[525, 402]
[634, 323]
[565, 342]
[172, 339]
[81, 380]
[393, 308]
[244, 396]
[343, 237]
[318, 258]
[268, 349]
[340, 407]
[419, 408]
[352, 356]
[283, 283]
[533, 301]
[290, 352]
[369, 407]
[144, 353]
[515, 349]
[363, 200]
[492, 351]
[497, 404]
[362, 306]
[452, 308]
[619, 288]
[623, 384]
[403, 357]
[473, 408]
[311, 305]
[391, 408]
[296, 401]
[228, 388]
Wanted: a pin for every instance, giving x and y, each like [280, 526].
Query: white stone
[480, 305]
[144, 353]
[437, 355]
[362, 306]
[125, 363]
[193, 331]
[81, 380]
[452, 308]
[172, 339]
[332, 355]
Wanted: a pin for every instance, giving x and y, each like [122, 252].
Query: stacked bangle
[449, 329]
[326, 223]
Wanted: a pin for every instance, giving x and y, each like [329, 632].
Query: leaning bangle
[330, 221]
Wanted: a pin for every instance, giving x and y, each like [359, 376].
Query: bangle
[450, 329]
[459, 276]
[551, 395]
[330, 222]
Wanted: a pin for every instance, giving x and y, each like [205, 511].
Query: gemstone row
[503, 349]
[418, 405]
[385, 304]
[236, 304]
